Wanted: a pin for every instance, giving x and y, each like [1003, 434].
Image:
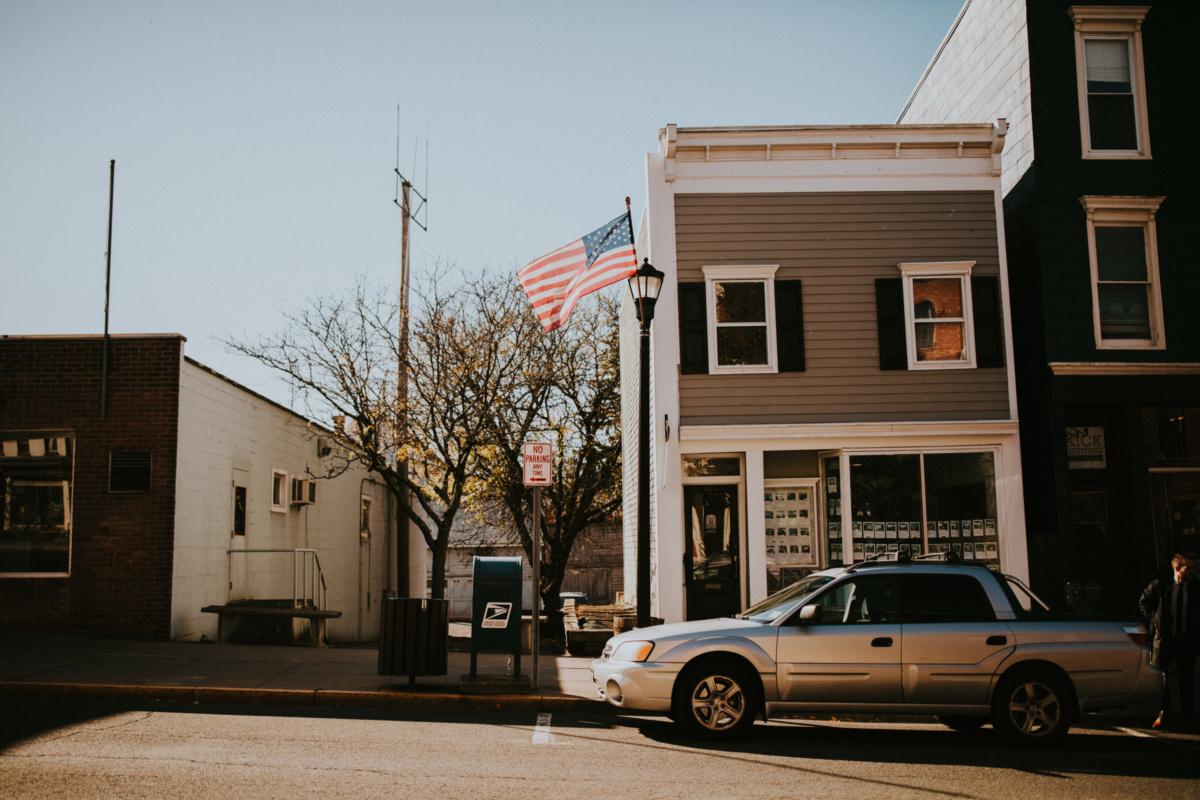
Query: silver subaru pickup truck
[953, 640]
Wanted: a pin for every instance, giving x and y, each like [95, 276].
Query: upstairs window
[937, 304]
[1112, 90]
[1126, 299]
[740, 302]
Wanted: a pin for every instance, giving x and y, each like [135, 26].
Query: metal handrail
[313, 585]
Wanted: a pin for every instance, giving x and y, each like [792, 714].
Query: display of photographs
[904, 549]
[831, 484]
[857, 528]
[915, 548]
[868, 549]
[769, 496]
[804, 513]
[902, 529]
[792, 513]
[943, 529]
[977, 527]
[791, 496]
[770, 514]
[780, 497]
[805, 549]
[795, 548]
[957, 547]
[969, 551]
[805, 533]
[858, 551]
[891, 530]
[989, 527]
[893, 548]
[954, 534]
[966, 528]
[993, 550]
[914, 528]
[793, 531]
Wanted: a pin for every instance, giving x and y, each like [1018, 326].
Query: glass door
[712, 562]
[1175, 497]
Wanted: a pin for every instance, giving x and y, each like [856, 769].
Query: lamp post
[644, 285]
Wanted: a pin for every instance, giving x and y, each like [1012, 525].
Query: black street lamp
[644, 285]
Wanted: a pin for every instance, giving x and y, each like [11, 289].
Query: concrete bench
[228, 615]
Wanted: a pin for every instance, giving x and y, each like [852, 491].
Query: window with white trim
[938, 314]
[1111, 84]
[279, 490]
[1123, 251]
[741, 310]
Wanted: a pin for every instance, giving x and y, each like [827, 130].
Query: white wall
[228, 433]
[981, 73]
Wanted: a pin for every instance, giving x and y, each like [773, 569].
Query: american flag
[555, 282]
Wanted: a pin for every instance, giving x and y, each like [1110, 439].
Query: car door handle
[997, 641]
[882, 641]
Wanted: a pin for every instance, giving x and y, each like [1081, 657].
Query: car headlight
[633, 651]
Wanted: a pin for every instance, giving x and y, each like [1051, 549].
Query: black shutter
[789, 326]
[693, 329]
[989, 322]
[889, 316]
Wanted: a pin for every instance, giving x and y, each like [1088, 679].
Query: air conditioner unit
[304, 491]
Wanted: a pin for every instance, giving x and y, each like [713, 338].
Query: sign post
[538, 463]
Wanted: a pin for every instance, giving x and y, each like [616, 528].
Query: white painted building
[240, 459]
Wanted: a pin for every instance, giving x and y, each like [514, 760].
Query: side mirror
[807, 613]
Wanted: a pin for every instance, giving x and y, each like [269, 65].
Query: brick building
[124, 516]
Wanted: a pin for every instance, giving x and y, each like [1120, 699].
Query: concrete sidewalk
[43, 665]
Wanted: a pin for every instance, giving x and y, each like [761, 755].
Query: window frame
[280, 499]
[741, 273]
[960, 270]
[29, 447]
[1112, 23]
[1126, 212]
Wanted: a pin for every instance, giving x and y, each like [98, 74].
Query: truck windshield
[785, 599]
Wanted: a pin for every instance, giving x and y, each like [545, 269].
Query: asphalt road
[99, 749]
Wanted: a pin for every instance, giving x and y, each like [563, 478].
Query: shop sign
[1085, 448]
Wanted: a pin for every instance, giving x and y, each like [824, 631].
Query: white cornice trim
[1110, 368]
[849, 431]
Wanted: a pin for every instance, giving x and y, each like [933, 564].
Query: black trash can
[413, 637]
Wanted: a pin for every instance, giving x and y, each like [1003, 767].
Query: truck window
[945, 598]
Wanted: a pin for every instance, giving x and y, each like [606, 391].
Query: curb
[302, 697]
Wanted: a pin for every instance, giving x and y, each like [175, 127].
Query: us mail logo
[495, 615]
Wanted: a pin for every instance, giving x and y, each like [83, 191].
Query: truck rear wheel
[1031, 707]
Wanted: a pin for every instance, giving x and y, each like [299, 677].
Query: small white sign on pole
[539, 463]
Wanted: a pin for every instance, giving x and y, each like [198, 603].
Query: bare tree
[414, 411]
[569, 395]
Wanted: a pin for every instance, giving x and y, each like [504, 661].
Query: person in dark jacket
[1171, 606]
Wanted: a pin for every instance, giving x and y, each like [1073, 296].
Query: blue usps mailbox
[496, 609]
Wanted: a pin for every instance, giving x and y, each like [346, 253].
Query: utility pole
[403, 199]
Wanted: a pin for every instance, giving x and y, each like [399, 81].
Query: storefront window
[791, 534]
[960, 500]
[913, 504]
[831, 469]
[885, 497]
[35, 527]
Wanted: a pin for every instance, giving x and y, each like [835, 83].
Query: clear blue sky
[255, 141]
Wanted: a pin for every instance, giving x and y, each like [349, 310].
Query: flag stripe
[555, 282]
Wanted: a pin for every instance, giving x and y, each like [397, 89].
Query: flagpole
[629, 219]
